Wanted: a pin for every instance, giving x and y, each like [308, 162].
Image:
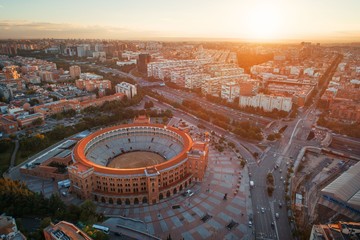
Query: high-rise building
[142, 62]
[128, 89]
[75, 71]
[230, 91]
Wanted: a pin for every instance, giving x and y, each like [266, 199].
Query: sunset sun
[263, 22]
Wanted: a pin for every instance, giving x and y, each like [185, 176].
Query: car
[280, 205]
[262, 210]
[190, 194]
[277, 215]
[250, 223]
[272, 225]
[281, 178]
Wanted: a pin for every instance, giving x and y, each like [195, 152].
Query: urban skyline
[323, 21]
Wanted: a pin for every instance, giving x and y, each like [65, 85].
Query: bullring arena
[136, 163]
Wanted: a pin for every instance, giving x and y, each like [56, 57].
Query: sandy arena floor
[136, 160]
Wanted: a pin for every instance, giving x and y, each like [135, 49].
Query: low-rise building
[340, 230]
[91, 85]
[8, 229]
[63, 231]
[28, 120]
[8, 126]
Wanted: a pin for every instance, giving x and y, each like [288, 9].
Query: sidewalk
[223, 176]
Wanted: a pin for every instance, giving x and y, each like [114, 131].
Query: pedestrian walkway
[224, 176]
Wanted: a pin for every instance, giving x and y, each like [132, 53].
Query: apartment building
[27, 120]
[266, 102]
[196, 80]
[75, 71]
[230, 91]
[91, 85]
[126, 88]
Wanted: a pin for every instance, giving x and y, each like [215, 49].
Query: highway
[179, 96]
[283, 151]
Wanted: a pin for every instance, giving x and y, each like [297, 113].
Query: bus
[101, 228]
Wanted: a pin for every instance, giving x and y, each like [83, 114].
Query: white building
[99, 55]
[267, 102]
[82, 50]
[128, 89]
[230, 91]
[196, 80]
[90, 76]
[124, 63]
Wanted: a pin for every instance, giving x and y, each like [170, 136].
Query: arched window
[144, 200]
[168, 194]
[119, 202]
[136, 201]
[127, 201]
[161, 196]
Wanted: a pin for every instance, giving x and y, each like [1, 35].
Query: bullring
[167, 161]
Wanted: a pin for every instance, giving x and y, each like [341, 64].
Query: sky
[251, 20]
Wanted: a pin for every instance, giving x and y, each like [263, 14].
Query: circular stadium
[132, 164]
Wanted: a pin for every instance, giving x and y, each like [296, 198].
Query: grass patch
[5, 158]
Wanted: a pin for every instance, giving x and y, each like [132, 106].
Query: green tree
[88, 212]
[37, 122]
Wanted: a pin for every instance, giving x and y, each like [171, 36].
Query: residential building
[11, 72]
[126, 88]
[27, 120]
[267, 102]
[75, 71]
[196, 80]
[340, 230]
[8, 229]
[46, 76]
[91, 85]
[6, 92]
[142, 62]
[64, 231]
[51, 108]
[230, 91]
[90, 76]
[8, 126]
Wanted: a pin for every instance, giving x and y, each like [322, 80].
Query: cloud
[28, 29]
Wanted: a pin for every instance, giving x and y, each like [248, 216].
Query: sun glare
[263, 22]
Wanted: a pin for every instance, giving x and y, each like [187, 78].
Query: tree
[5, 145]
[271, 137]
[33, 102]
[37, 122]
[88, 212]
